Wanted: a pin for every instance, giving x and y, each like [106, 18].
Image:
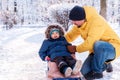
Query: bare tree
[8, 19]
[60, 14]
[103, 8]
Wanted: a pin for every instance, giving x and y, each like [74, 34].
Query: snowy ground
[19, 58]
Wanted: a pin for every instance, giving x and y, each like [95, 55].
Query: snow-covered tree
[35, 11]
[103, 9]
[6, 17]
[60, 14]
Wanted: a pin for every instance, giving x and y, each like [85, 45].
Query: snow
[19, 59]
[34, 11]
[19, 46]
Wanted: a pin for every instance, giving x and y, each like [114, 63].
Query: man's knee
[98, 44]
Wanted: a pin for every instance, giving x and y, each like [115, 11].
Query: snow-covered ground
[19, 59]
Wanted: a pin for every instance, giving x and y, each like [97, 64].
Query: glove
[71, 48]
[47, 58]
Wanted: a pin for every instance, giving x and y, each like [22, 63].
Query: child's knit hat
[54, 27]
[54, 30]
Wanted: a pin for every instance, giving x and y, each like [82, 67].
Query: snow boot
[68, 72]
[77, 67]
[109, 67]
[93, 75]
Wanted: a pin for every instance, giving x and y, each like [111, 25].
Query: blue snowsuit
[54, 48]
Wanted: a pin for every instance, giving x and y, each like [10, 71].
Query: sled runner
[67, 79]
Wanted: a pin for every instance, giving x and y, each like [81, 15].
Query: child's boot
[77, 67]
[68, 72]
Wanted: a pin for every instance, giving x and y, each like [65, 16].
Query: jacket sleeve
[95, 33]
[72, 34]
[43, 50]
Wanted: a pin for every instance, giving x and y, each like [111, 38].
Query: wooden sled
[54, 74]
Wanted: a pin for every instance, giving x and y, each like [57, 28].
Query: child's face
[55, 35]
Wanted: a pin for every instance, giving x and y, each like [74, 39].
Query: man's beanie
[77, 13]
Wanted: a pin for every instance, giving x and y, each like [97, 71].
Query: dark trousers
[63, 62]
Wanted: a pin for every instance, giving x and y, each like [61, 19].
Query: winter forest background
[22, 27]
[26, 12]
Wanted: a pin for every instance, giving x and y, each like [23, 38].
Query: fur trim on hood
[52, 26]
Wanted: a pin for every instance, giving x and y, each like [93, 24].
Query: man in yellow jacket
[99, 39]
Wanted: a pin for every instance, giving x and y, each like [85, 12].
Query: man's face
[78, 22]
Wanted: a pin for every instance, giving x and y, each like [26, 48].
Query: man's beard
[79, 26]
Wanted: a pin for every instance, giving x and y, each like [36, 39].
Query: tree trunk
[103, 8]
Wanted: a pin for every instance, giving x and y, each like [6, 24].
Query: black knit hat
[77, 13]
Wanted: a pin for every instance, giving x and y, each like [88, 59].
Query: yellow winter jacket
[94, 29]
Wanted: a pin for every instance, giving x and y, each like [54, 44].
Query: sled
[67, 79]
[54, 74]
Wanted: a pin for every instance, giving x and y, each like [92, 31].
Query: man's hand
[71, 48]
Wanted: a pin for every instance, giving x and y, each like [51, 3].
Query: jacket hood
[51, 27]
[90, 12]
